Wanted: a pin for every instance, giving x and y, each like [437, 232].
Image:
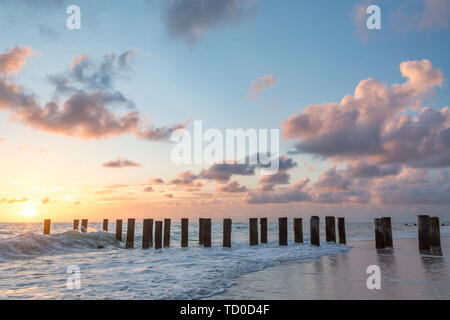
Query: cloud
[371, 124]
[14, 60]
[86, 101]
[2, 140]
[12, 201]
[232, 187]
[120, 163]
[222, 172]
[185, 178]
[148, 189]
[168, 195]
[45, 201]
[268, 182]
[156, 181]
[422, 15]
[262, 83]
[189, 20]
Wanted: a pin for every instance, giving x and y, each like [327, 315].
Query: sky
[86, 115]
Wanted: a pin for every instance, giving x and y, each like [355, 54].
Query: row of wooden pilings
[162, 239]
[428, 227]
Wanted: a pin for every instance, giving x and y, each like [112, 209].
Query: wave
[30, 244]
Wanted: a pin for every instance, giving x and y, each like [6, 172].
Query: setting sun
[28, 212]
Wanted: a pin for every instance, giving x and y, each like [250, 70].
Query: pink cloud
[120, 163]
[262, 83]
[14, 60]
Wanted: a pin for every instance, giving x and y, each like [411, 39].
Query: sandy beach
[404, 275]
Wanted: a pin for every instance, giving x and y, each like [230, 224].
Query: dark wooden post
[147, 234]
[314, 230]
[184, 232]
[158, 234]
[298, 230]
[76, 222]
[84, 225]
[253, 229]
[423, 224]
[330, 229]
[436, 249]
[130, 233]
[47, 223]
[263, 226]
[379, 233]
[387, 229]
[282, 232]
[227, 233]
[119, 229]
[200, 230]
[207, 233]
[166, 233]
[105, 225]
[341, 230]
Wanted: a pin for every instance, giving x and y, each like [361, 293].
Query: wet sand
[404, 275]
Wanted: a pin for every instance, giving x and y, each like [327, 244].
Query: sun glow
[28, 212]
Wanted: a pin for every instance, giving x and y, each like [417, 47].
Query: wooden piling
[227, 233]
[341, 231]
[130, 233]
[436, 249]
[298, 230]
[76, 222]
[184, 232]
[330, 229]
[119, 229]
[166, 233]
[282, 232]
[105, 225]
[387, 229]
[263, 226]
[314, 230]
[253, 231]
[423, 224]
[200, 230]
[379, 233]
[84, 225]
[207, 233]
[158, 234]
[47, 223]
[147, 234]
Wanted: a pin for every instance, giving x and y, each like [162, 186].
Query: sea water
[34, 266]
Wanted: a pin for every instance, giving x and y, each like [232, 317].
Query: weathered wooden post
[379, 233]
[130, 233]
[282, 232]
[47, 223]
[207, 233]
[341, 230]
[84, 225]
[330, 229]
[200, 230]
[387, 229]
[119, 229]
[298, 230]
[436, 249]
[105, 225]
[253, 229]
[423, 224]
[166, 233]
[147, 234]
[76, 222]
[227, 233]
[263, 226]
[314, 230]
[184, 232]
[158, 234]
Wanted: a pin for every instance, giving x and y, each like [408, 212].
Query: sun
[28, 212]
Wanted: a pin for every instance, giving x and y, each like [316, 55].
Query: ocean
[34, 266]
